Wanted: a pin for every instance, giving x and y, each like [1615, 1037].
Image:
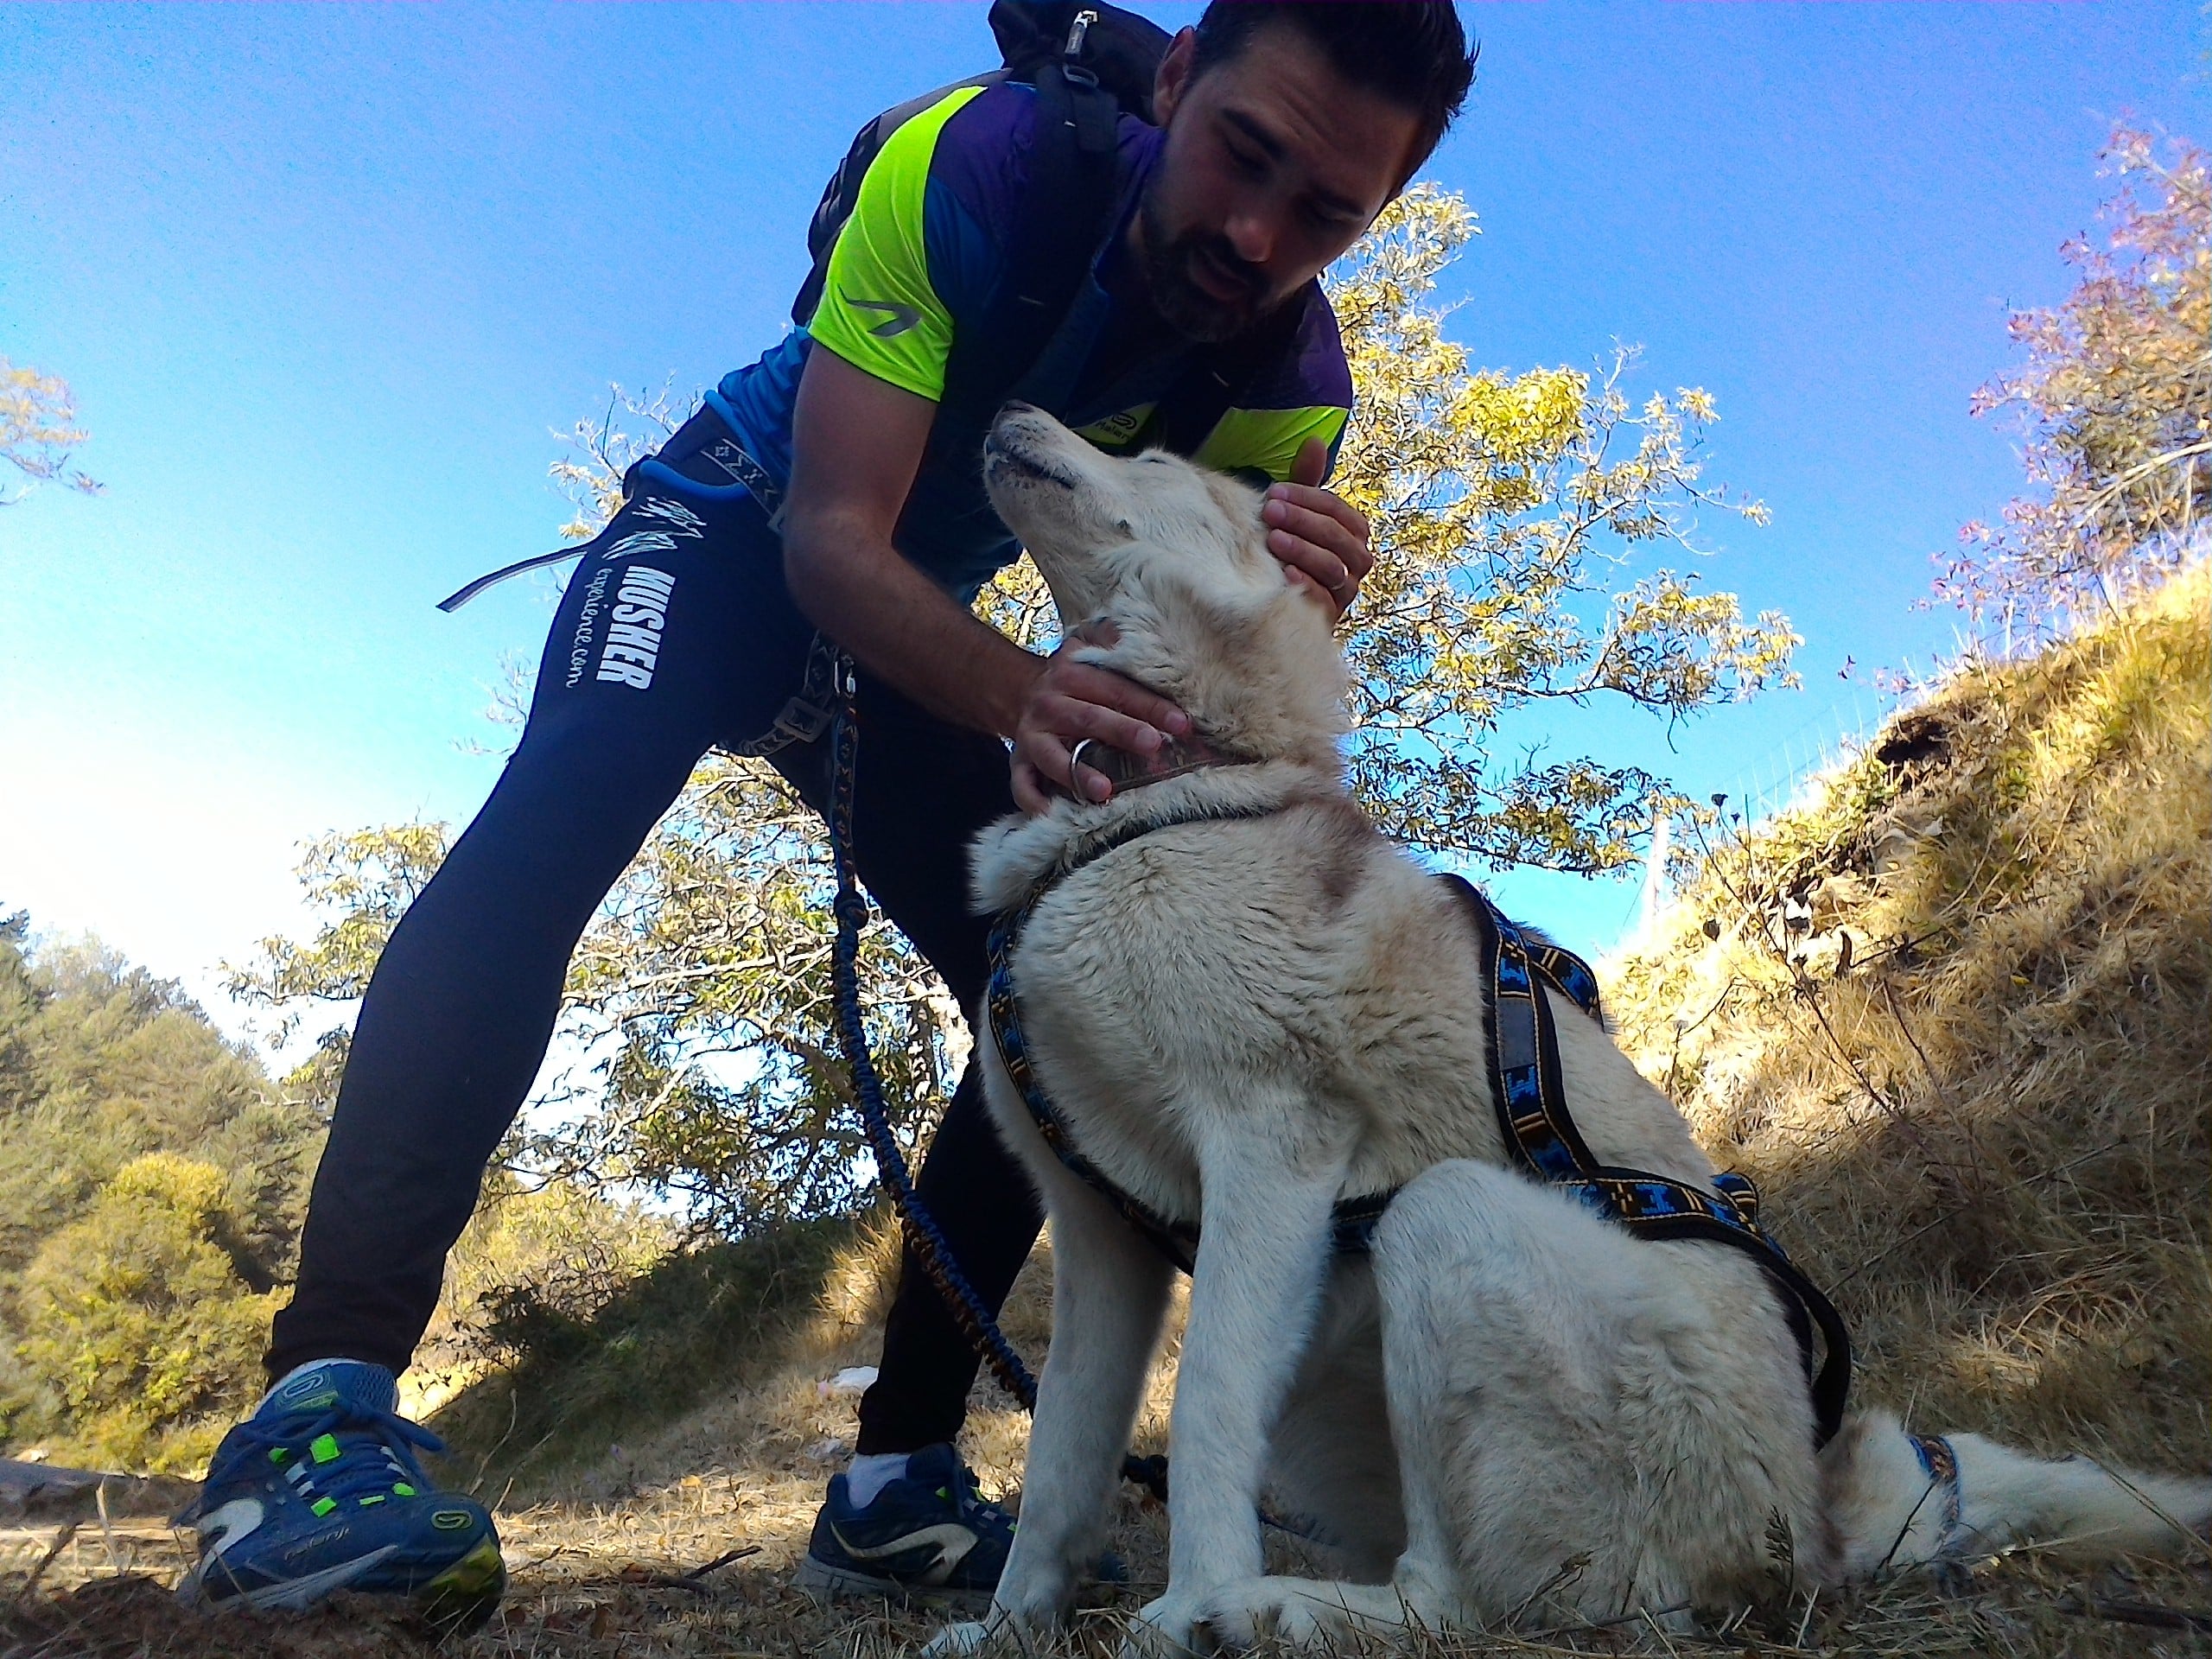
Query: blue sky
[328, 279]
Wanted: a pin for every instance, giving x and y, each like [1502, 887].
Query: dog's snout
[1021, 442]
[1016, 422]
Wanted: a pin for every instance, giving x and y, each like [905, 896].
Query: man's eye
[1248, 161]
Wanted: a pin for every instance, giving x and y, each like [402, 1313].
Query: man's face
[1274, 165]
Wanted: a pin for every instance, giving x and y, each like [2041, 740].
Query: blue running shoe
[320, 1490]
[929, 1536]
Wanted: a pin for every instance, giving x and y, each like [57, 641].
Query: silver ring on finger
[1075, 760]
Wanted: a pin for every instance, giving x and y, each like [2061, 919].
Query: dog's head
[1176, 559]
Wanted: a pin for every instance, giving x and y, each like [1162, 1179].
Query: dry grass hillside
[1973, 1085]
[1951, 1014]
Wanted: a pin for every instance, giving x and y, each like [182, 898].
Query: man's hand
[1071, 701]
[1319, 537]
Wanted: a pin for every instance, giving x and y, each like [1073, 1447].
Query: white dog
[1512, 1406]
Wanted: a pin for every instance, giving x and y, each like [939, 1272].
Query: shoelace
[339, 1453]
[973, 1505]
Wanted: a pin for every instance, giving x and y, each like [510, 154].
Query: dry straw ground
[1973, 1081]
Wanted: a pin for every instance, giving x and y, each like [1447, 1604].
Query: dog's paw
[1166, 1628]
[994, 1634]
[1299, 1615]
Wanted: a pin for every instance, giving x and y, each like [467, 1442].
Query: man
[832, 486]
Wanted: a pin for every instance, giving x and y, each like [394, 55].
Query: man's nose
[1253, 236]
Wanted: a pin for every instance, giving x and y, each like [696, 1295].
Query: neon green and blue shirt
[921, 258]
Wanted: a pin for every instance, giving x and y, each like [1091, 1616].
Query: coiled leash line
[923, 1236]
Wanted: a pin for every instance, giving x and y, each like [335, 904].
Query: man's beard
[1176, 296]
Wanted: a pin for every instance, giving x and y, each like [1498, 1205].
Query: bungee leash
[922, 1233]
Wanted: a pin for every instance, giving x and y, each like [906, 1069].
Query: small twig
[722, 1561]
[646, 1579]
[1953, 1215]
[1587, 1625]
[483, 1464]
[107, 1526]
[1810, 994]
[1896, 1012]
[2134, 1612]
[2203, 1545]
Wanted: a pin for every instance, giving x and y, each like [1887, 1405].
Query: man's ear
[1174, 76]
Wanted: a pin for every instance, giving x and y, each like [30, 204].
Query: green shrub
[136, 1320]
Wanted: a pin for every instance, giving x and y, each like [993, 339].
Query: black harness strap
[1064, 215]
[1527, 1088]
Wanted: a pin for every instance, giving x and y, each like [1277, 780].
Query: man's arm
[856, 444]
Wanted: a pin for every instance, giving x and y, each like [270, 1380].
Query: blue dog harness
[1527, 1088]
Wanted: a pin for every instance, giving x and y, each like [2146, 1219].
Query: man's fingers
[1029, 792]
[1327, 504]
[1073, 701]
[1316, 532]
[1293, 530]
[1069, 720]
[1050, 762]
[1327, 571]
[1086, 683]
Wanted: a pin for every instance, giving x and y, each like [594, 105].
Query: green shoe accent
[466, 1594]
[324, 1448]
[323, 1505]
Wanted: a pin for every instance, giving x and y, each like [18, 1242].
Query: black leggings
[675, 633]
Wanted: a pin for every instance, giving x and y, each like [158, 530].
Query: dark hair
[1414, 53]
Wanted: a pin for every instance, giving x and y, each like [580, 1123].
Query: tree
[129, 1281]
[38, 429]
[2114, 400]
[1505, 508]
[136, 1318]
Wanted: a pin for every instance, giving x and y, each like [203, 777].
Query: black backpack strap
[843, 193]
[1121, 50]
[1089, 61]
[1064, 215]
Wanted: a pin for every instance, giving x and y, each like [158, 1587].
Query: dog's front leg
[1262, 1257]
[1110, 1295]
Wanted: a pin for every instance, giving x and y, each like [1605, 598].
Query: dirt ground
[687, 1544]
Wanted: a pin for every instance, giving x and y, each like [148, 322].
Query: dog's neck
[1173, 758]
[1015, 857]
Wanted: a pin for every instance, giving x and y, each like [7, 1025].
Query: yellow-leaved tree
[137, 1318]
[38, 430]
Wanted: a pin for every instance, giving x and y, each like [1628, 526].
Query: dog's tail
[1897, 1500]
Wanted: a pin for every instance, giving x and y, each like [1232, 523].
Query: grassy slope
[2010, 1207]
[1988, 1133]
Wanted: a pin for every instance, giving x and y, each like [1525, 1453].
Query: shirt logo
[900, 317]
